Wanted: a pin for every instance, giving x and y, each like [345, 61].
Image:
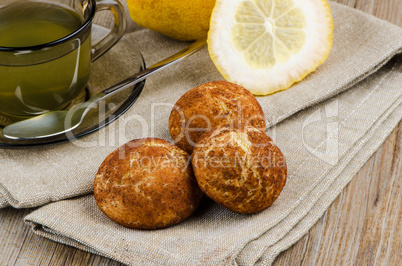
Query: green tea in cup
[45, 54]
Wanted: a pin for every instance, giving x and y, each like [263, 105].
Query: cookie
[209, 105]
[147, 184]
[239, 168]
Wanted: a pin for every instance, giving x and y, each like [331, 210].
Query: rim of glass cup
[55, 42]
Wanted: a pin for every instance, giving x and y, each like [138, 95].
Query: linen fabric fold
[39, 175]
[327, 126]
[354, 124]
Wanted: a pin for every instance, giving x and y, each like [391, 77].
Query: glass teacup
[46, 52]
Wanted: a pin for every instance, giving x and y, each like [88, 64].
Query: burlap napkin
[327, 126]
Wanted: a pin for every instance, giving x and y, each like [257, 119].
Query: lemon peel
[178, 19]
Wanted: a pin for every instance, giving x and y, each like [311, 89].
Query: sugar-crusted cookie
[148, 184]
[209, 105]
[239, 168]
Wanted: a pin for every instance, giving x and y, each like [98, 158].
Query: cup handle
[118, 29]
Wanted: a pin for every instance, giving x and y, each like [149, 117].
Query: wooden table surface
[363, 226]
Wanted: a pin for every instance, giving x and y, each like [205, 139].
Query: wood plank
[390, 10]
[13, 233]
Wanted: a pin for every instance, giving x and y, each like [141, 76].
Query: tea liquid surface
[35, 23]
[35, 88]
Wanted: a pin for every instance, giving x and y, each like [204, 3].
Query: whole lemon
[178, 19]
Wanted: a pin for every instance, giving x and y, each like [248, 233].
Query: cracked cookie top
[209, 105]
[148, 184]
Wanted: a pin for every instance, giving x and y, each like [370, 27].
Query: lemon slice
[267, 45]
